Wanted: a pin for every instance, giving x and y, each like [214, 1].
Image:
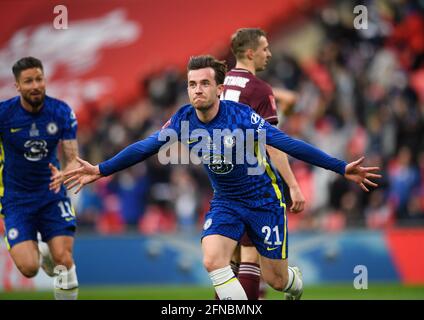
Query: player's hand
[85, 174]
[298, 200]
[361, 175]
[56, 178]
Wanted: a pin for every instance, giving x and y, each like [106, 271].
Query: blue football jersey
[237, 165]
[29, 143]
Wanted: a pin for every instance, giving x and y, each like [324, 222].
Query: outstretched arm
[361, 175]
[302, 150]
[310, 154]
[134, 153]
[85, 174]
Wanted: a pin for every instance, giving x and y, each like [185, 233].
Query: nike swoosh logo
[192, 141]
[13, 130]
[270, 249]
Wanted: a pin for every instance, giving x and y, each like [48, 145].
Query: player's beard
[203, 106]
[35, 102]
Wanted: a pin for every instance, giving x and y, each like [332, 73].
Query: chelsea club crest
[229, 141]
[52, 128]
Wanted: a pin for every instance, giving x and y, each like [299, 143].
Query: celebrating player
[251, 50]
[32, 127]
[245, 198]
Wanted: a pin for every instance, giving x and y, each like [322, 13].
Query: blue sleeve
[141, 150]
[70, 125]
[298, 148]
[131, 155]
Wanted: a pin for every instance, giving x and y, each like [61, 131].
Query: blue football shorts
[53, 219]
[266, 226]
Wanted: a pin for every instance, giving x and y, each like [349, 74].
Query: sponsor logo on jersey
[236, 81]
[218, 164]
[221, 152]
[261, 125]
[36, 150]
[13, 130]
[254, 118]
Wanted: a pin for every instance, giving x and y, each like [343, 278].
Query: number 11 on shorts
[66, 210]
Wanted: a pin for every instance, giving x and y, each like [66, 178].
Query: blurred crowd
[359, 92]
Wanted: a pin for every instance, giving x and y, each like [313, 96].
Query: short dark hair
[208, 61]
[245, 38]
[26, 63]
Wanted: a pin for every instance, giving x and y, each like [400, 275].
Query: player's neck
[246, 66]
[28, 107]
[207, 115]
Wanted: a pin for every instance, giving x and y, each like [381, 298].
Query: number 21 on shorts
[268, 231]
